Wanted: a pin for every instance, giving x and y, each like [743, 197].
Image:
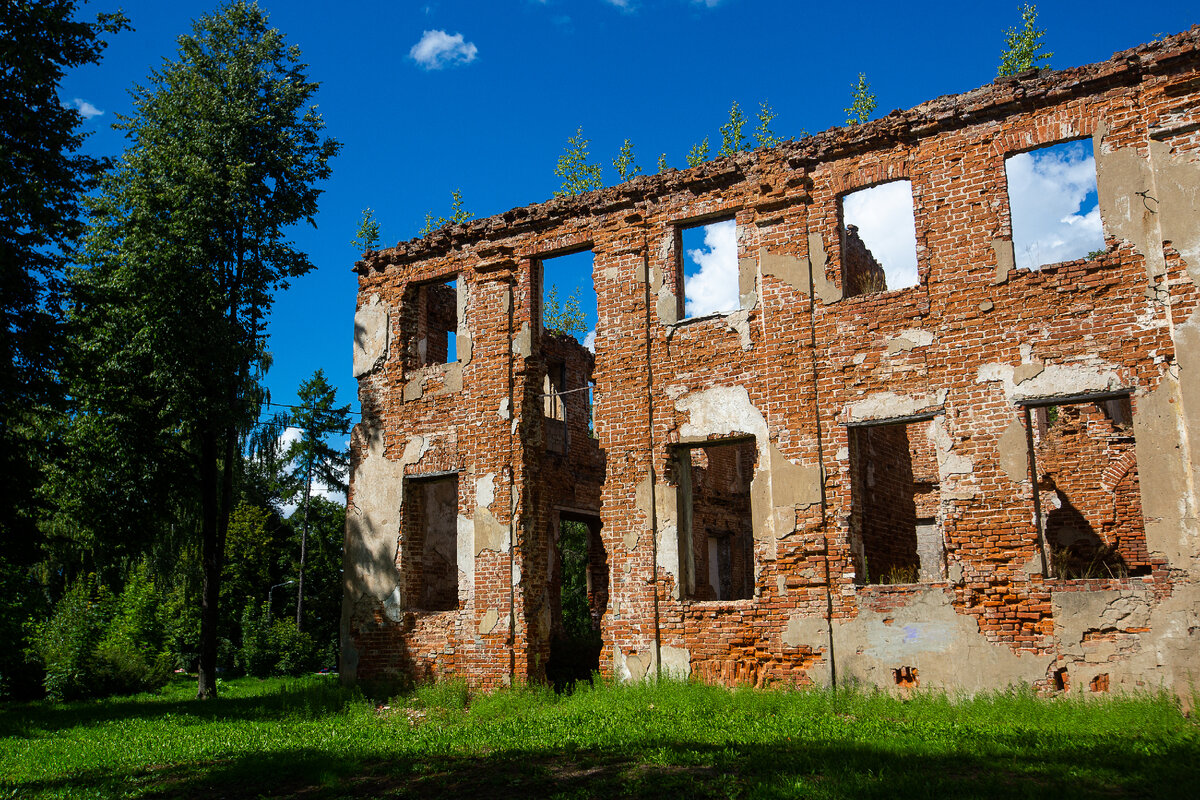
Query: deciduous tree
[1023, 46]
[578, 174]
[862, 102]
[186, 249]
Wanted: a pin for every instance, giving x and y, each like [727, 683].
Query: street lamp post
[271, 594]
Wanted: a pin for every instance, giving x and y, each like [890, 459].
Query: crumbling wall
[806, 361]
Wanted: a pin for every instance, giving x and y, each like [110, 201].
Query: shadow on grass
[307, 696]
[1092, 767]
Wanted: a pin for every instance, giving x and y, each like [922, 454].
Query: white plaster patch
[1054, 380]
[371, 334]
[415, 449]
[485, 490]
[719, 411]
[504, 410]
[886, 405]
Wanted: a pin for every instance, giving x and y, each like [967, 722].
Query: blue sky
[428, 97]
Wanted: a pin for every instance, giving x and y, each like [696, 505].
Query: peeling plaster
[886, 405]
[909, 339]
[372, 332]
[1013, 452]
[1053, 380]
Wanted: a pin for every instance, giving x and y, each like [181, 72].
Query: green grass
[312, 739]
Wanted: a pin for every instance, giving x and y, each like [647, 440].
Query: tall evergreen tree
[317, 418]
[185, 252]
[42, 177]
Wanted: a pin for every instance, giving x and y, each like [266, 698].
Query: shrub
[66, 643]
[273, 648]
[95, 645]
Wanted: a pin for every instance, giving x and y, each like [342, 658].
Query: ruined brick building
[981, 479]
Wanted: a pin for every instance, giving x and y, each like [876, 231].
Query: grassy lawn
[311, 739]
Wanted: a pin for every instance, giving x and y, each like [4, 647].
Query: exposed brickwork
[801, 370]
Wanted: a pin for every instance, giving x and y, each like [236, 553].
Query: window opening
[568, 296]
[554, 410]
[1088, 497]
[879, 239]
[581, 591]
[894, 504]
[715, 520]
[1053, 200]
[431, 319]
[431, 542]
[708, 262]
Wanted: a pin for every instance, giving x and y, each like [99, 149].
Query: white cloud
[439, 49]
[714, 287]
[884, 216]
[1047, 189]
[625, 4]
[707, 3]
[589, 341]
[86, 109]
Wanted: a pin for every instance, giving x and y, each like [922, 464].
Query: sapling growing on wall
[368, 232]
[624, 163]
[862, 102]
[577, 173]
[457, 214]
[1023, 46]
[698, 154]
[732, 139]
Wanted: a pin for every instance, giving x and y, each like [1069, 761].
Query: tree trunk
[211, 588]
[303, 550]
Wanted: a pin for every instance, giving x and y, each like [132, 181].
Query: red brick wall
[806, 365]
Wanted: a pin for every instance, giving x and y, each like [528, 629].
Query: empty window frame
[568, 296]
[707, 256]
[430, 542]
[554, 409]
[1088, 497]
[716, 529]
[894, 503]
[1053, 200]
[878, 239]
[431, 315]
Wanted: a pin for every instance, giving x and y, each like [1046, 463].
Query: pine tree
[1023, 46]
[317, 418]
[578, 175]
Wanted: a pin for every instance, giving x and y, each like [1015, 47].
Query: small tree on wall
[577, 173]
[1023, 46]
[862, 102]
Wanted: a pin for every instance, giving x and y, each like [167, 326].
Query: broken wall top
[1004, 96]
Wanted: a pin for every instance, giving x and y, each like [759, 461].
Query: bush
[95, 645]
[273, 648]
[66, 643]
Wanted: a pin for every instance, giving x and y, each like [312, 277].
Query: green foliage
[698, 154]
[662, 162]
[1023, 46]
[367, 235]
[862, 102]
[251, 544]
[577, 174]
[273, 647]
[95, 645]
[573, 553]
[732, 139]
[458, 214]
[186, 249]
[763, 136]
[317, 418]
[624, 164]
[564, 318]
[42, 180]
[65, 644]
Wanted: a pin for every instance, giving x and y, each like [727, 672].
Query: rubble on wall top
[1003, 96]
